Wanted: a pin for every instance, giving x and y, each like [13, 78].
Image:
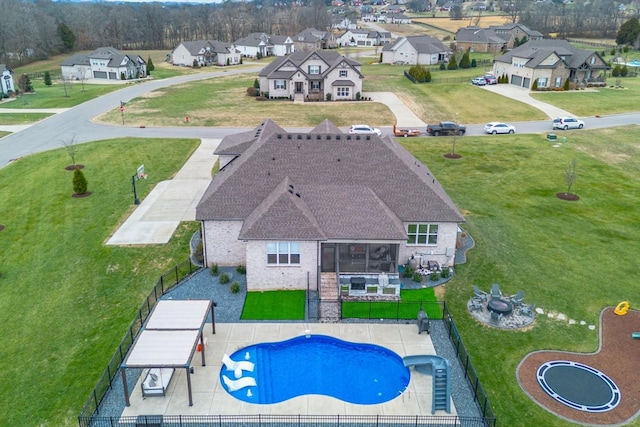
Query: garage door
[527, 82]
[99, 74]
[516, 80]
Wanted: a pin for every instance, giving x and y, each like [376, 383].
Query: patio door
[328, 263]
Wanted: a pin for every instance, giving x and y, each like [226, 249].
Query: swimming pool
[365, 374]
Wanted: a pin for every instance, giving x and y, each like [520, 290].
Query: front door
[298, 87]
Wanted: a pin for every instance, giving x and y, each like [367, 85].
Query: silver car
[499, 127]
[364, 130]
[565, 123]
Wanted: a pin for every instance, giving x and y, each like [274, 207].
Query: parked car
[364, 130]
[565, 123]
[491, 80]
[479, 81]
[499, 127]
[446, 128]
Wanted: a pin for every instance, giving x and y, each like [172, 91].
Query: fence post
[177, 275]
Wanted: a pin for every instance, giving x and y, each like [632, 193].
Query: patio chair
[237, 367]
[475, 304]
[235, 385]
[496, 317]
[517, 299]
[477, 293]
[495, 291]
[528, 309]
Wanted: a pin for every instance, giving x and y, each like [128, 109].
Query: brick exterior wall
[263, 277]
[222, 244]
[447, 236]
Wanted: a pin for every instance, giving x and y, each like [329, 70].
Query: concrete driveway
[521, 94]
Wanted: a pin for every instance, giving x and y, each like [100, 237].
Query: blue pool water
[364, 374]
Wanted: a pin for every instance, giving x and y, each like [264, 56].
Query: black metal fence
[285, 421]
[164, 283]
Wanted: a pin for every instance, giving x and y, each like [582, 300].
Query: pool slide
[441, 384]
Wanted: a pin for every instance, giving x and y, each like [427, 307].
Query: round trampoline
[578, 386]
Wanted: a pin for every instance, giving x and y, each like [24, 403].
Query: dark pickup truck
[446, 128]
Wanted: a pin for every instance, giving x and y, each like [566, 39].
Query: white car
[499, 127]
[364, 130]
[479, 81]
[565, 123]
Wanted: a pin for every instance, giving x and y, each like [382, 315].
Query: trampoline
[578, 386]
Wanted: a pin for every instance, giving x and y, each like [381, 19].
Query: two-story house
[312, 75]
[496, 38]
[363, 38]
[550, 63]
[106, 63]
[263, 44]
[312, 39]
[205, 53]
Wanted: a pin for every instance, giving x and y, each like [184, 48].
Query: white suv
[364, 130]
[565, 123]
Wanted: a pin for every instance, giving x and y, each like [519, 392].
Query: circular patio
[514, 320]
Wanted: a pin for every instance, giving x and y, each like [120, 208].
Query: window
[342, 91]
[280, 84]
[558, 82]
[343, 73]
[315, 86]
[314, 69]
[283, 253]
[542, 82]
[422, 234]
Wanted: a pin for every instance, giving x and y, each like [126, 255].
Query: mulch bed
[618, 357]
[79, 196]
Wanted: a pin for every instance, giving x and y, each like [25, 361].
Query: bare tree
[570, 175]
[72, 149]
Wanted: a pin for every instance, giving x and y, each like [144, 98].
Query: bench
[156, 381]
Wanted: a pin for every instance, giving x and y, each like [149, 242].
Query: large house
[495, 38]
[263, 44]
[550, 63]
[7, 86]
[312, 75]
[204, 53]
[312, 39]
[424, 50]
[307, 210]
[106, 63]
[363, 38]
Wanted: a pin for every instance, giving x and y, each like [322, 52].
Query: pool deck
[210, 397]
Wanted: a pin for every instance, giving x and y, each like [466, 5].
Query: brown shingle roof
[350, 186]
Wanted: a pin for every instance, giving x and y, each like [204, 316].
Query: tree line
[33, 30]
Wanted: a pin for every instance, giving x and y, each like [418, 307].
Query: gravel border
[203, 285]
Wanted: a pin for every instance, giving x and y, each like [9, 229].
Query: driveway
[521, 94]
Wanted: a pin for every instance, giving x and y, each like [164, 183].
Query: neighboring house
[312, 39]
[363, 38]
[424, 50]
[106, 63]
[8, 87]
[205, 53]
[397, 18]
[305, 210]
[312, 75]
[550, 63]
[495, 38]
[264, 44]
[345, 24]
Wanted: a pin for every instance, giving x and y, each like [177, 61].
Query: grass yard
[54, 96]
[223, 102]
[66, 298]
[600, 101]
[274, 305]
[21, 119]
[568, 257]
[411, 301]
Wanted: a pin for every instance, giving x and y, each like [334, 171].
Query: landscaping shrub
[256, 84]
[465, 62]
[417, 277]
[624, 71]
[442, 66]
[79, 182]
[241, 269]
[445, 272]
[534, 86]
[150, 66]
[358, 96]
[566, 84]
[47, 78]
[408, 272]
[214, 270]
[224, 279]
[234, 288]
[453, 65]
[252, 91]
[420, 73]
[474, 63]
[328, 96]
[616, 71]
[434, 276]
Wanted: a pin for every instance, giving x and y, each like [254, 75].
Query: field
[451, 26]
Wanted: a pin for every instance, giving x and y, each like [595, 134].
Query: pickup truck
[446, 128]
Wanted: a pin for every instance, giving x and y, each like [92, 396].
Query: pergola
[170, 338]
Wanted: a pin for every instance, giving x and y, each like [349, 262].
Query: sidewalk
[170, 202]
[522, 94]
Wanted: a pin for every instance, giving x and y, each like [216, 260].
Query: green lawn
[410, 302]
[274, 305]
[55, 96]
[66, 299]
[568, 257]
[21, 119]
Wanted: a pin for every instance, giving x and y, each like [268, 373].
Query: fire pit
[500, 306]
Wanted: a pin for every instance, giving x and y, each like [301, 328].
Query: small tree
[474, 63]
[567, 84]
[453, 65]
[534, 86]
[47, 78]
[71, 147]
[570, 175]
[24, 83]
[624, 71]
[150, 66]
[328, 96]
[256, 84]
[123, 76]
[465, 62]
[79, 182]
[616, 71]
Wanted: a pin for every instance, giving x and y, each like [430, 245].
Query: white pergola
[170, 338]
